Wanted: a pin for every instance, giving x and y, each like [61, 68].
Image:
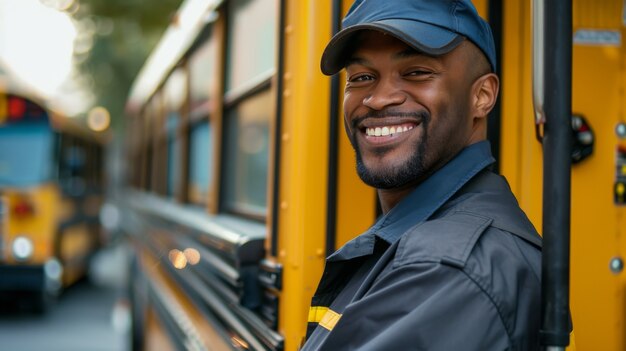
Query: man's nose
[385, 94]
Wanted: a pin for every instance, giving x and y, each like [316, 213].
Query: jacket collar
[422, 202]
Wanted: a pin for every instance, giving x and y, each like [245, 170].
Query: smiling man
[453, 263]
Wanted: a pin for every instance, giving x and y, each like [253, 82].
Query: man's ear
[484, 94]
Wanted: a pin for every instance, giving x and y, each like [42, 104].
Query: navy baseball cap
[434, 27]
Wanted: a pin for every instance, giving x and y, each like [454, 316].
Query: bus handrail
[230, 231]
[553, 89]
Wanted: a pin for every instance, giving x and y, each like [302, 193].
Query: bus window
[158, 142]
[174, 94]
[249, 106]
[200, 160]
[201, 76]
[252, 28]
[246, 157]
[202, 85]
[25, 154]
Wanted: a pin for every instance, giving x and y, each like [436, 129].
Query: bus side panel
[304, 164]
[599, 74]
[156, 336]
[166, 296]
[481, 7]
[521, 153]
[597, 295]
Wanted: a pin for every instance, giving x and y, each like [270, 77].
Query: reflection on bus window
[252, 27]
[246, 157]
[202, 99]
[25, 154]
[175, 97]
[202, 68]
[200, 161]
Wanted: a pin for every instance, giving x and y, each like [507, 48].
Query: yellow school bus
[241, 181]
[50, 194]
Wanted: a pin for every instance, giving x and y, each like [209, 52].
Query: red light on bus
[23, 207]
[16, 108]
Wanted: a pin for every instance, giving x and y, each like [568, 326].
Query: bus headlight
[54, 275]
[22, 248]
[53, 269]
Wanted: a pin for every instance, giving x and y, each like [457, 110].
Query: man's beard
[410, 171]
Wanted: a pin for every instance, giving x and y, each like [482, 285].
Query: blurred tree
[114, 39]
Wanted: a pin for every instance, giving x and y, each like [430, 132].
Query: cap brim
[424, 37]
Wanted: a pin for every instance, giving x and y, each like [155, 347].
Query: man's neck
[389, 198]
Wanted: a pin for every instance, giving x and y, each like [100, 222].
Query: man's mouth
[388, 129]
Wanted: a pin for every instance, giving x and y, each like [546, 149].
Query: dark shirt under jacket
[454, 266]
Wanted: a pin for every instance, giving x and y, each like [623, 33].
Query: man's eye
[361, 78]
[418, 73]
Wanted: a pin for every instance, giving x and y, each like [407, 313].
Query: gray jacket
[467, 278]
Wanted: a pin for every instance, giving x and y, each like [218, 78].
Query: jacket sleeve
[421, 306]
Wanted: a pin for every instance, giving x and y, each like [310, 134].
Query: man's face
[406, 113]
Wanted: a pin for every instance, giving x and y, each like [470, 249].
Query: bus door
[598, 158]
[598, 217]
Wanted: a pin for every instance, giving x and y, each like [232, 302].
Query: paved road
[83, 319]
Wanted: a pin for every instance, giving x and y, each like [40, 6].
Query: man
[453, 264]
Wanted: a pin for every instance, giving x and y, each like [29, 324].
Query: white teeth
[385, 131]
